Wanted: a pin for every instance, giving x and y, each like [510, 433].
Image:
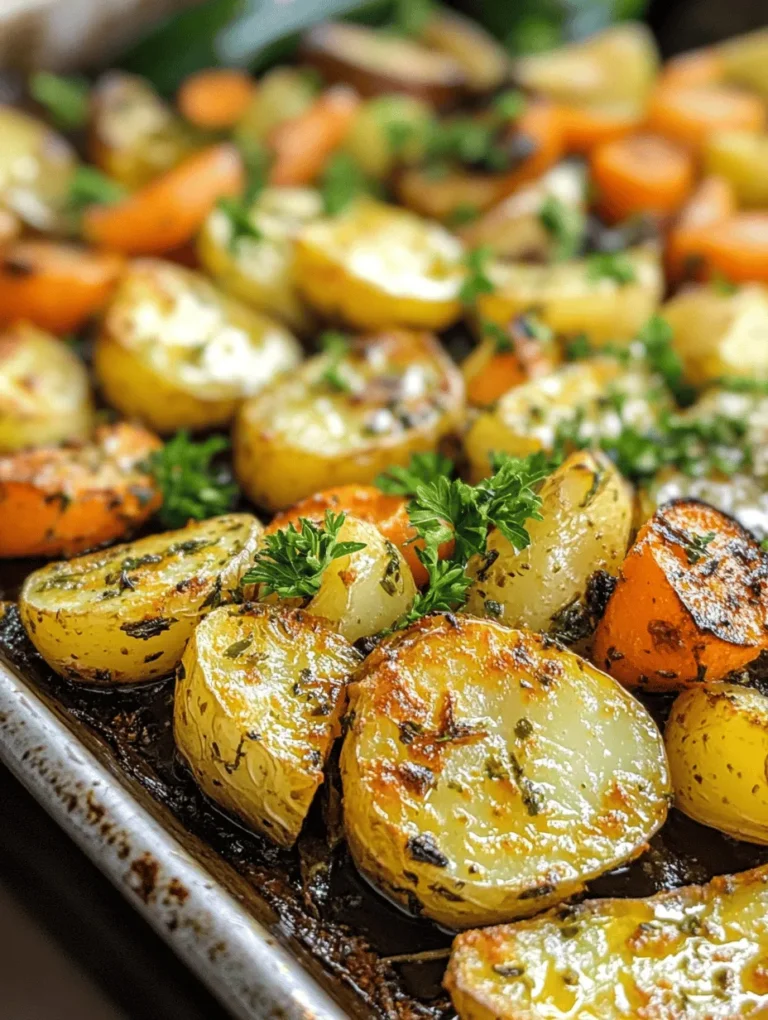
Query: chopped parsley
[565, 225]
[192, 488]
[341, 183]
[292, 562]
[66, 99]
[503, 341]
[657, 337]
[509, 105]
[696, 548]
[462, 214]
[477, 280]
[411, 16]
[615, 266]
[423, 469]
[89, 186]
[240, 221]
[336, 347]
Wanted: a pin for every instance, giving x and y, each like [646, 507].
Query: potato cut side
[45, 397]
[390, 395]
[488, 774]
[176, 353]
[124, 614]
[717, 742]
[698, 953]
[259, 698]
[587, 518]
[376, 265]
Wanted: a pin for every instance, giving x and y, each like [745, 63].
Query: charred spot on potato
[145, 630]
[424, 849]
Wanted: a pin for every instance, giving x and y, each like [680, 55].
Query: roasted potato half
[572, 298]
[484, 61]
[376, 265]
[176, 353]
[123, 615]
[259, 697]
[329, 423]
[488, 774]
[260, 270]
[690, 603]
[740, 157]
[697, 952]
[717, 743]
[59, 501]
[45, 396]
[586, 522]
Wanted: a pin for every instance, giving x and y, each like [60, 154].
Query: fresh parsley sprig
[423, 469]
[336, 346]
[191, 486]
[477, 281]
[89, 186]
[293, 560]
[66, 99]
[342, 182]
[565, 224]
[657, 339]
[615, 266]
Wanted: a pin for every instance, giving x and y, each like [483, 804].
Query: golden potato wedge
[717, 743]
[388, 131]
[484, 61]
[699, 952]
[744, 60]
[571, 298]
[376, 265]
[124, 614]
[259, 697]
[391, 395]
[720, 334]
[178, 354]
[587, 519]
[260, 270]
[45, 397]
[36, 167]
[741, 157]
[134, 135]
[488, 774]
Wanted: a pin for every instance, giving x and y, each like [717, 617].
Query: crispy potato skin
[45, 396]
[259, 698]
[301, 435]
[124, 615]
[717, 742]
[456, 798]
[60, 501]
[587, 518]
[680, 616]
[376, 265]
[697, 953]
[176, 353]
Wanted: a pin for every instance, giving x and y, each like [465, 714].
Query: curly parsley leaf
[447, 589]
[509, 497]
[66, 99]
[240, 222]
[336, 346]
[191, 486]
[293, 560]
[565, 224]
[89, 186]
[423, 469]
[615, 266]
[477, 280]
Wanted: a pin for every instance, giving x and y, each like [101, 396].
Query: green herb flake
[503, 341]
[615, 266]
[66, 99]
[477, 280]
[423, 469]
[509, 105]
[238, 647]
[241, 224]
[565, 224]
[192, 488]
[342, 182]
[336, 346]
[696, 548]
[88, 186]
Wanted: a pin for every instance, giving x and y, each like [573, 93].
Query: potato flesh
[45, 395]
[587, 517]
[302, 435]
[483, 60]
[741, 157]
[258, 704]
[177, 353]
[570, 300]
[487, 776]
[377, 265]
[717, 743]
[699, 952]
[36, 167]
[745, 60]
[369, 141]
[123, 615]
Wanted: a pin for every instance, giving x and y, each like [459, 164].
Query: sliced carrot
[388, 513]
[712, 202]
[690, 603]
[215, 98]
[490, 373]
[540, 126]
[737, 248]
[301, 146]
[690, 114]
[167, 212]
[641, 174]
[584, 127]
[56, 286]
[697, 67]
[59, 501]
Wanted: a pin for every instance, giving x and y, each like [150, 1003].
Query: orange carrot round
[584, 127]
[689, 604]
[56, 286]
[216, 98]
[641, 174]
[490, 373]
[712, 202]
[690, 114]
[59, 501]
[540, 125]
[737, 248]
[301, 146]
[167, 212]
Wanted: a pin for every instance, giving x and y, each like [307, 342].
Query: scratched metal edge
[252, 975]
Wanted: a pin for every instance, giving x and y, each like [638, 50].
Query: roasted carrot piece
[489, 373]
[388, 513]
[56, 286]
[712, 202]
[641, 174]
[301, 146]
[59, 501]
[540, 125]
[215, 98]
[690, 603]
[690, 114]
[697, 67]
[167, 212]
[584, 127]
[737, 248]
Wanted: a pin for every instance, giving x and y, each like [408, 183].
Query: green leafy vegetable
[741, 384]
[565, 224]
[241, 224]
[463, 214]
[293, 560]
[657, 337]
[509, 105]
[336, 346]
[66, 99]
[474, 143]
[424, 469]
[477, 280]
[89, 186]
[342, 182]
[191, 486]
[503, 341]
[611, 266]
